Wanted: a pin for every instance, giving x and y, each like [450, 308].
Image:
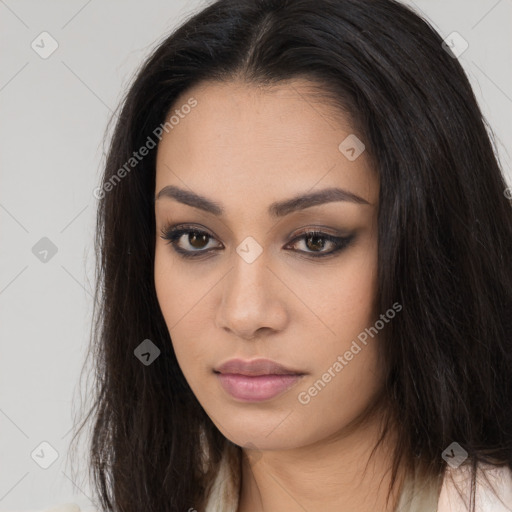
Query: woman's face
[254, 285]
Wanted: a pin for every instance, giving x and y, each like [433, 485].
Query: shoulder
[493, 490]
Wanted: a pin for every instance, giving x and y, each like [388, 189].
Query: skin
[245, 148]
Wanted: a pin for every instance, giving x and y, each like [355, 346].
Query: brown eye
[316, 241]
[198, 239]
[194, 245]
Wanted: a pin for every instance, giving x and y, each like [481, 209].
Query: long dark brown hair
[444, 249]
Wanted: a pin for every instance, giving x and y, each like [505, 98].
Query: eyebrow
[277, 209]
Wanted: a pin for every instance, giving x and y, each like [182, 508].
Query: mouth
[257, 380]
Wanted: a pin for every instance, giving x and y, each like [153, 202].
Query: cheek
[345, 296]
[166, 285]
[348, 309]
[336, 399]
[360, 284]
[347, 369]
[181, 298]
[177, 290]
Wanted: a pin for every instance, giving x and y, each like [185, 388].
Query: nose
[252, 300]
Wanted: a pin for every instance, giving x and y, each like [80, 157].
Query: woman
[304, 279]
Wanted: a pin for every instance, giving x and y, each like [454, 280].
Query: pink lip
[256, 389]
[256, 380]
[255, 367]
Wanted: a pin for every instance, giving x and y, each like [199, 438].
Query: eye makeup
[195, 245]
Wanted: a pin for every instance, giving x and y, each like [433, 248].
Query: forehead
[241, 135]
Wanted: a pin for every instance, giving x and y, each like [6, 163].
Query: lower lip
[258, 388]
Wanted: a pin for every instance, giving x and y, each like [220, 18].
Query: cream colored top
[425, 498]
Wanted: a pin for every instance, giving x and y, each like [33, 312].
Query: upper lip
[255, 367]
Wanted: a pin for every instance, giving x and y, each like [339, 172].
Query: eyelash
[173, 234]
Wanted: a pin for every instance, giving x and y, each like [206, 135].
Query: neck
[334, 475]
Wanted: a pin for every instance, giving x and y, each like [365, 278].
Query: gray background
[53, 115]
